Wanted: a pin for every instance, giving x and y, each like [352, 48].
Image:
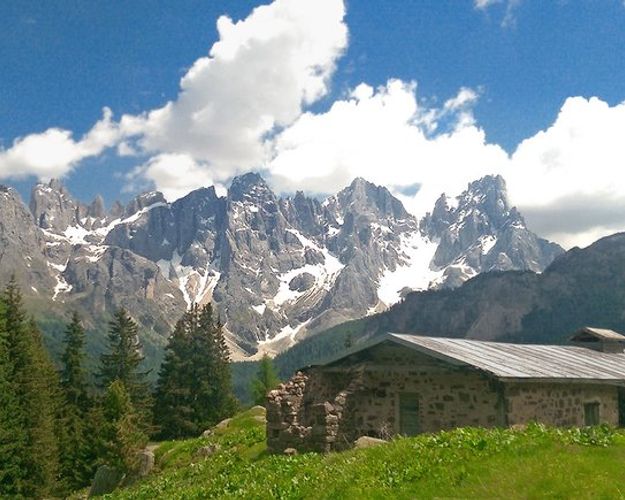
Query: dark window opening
[591, 414]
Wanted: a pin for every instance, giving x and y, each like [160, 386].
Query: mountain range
[583, 287]
[277, 269]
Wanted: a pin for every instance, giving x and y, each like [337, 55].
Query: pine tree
[13, 435]
[194, 390]
[173, 413]
[124, 360]
[214, 399]
[34, 384]
[44, 406]
[76, 457]
[122, 435]
[73, 378]
[266, 380]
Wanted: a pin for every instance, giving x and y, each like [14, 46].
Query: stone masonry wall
[304, 413]
[445, 401]
[559, 404]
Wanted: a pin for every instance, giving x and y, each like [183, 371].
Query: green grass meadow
[535, 462]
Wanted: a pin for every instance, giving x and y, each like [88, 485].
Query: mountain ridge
[276, 268]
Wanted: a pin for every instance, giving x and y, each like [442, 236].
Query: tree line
[57, 429]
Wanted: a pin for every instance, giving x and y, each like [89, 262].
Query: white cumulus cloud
[569, 179]
[384, 136]
[55, 152]
[255, 80]
[175, 175]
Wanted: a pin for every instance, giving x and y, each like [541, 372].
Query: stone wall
[304, 413]
[560, 404]
[445, 401]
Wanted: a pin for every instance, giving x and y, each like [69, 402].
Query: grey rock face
[22, 246]
[479, 231]
[276, 269]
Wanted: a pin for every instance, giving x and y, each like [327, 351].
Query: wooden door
[409, 414]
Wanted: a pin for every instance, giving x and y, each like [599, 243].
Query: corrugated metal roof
[601, 333]
[520, 361]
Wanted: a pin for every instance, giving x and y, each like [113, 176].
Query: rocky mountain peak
[53, 207]
[479, 231]
[249, 187]
[96, 209]
[488, 194]
[276, 269]
[364, 197]
[145, 200]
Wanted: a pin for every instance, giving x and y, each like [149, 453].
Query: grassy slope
[531, 463]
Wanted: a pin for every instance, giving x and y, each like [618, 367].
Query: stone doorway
[409, 414]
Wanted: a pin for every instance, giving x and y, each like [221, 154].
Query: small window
[591, 414]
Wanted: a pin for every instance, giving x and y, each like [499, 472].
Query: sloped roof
[599, 334]
[514, 361]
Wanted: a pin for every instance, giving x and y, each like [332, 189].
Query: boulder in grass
[106, 480]
[223, 424]
[368, 442]
[146, 462]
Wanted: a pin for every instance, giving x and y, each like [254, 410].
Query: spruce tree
[13, 435]
[173, 413]
[122, 435]
[44, 410]
[73, 379]
[36, 401]
[123, 361]
[214, 399]
[266, 380]
[76, 457]
[194, 390]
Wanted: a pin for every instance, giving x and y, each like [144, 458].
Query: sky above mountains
[422, 97]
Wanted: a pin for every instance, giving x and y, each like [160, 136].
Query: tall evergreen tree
[13, 435]
[173, 412]
[36, 402]
[214, 396]
[194, 390]
[266, 380]
[122, 435]
[123, 361]
[44, 406]
[73, 379]
[76, 457]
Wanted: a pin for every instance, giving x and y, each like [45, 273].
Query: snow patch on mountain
[414, 272]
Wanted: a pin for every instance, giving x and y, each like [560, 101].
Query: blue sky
[62, 62]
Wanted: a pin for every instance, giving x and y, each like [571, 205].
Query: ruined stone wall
[559, 405]
[304, 413]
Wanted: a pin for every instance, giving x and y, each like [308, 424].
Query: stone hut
[410, 384]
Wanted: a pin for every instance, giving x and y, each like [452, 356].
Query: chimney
[599, 339]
